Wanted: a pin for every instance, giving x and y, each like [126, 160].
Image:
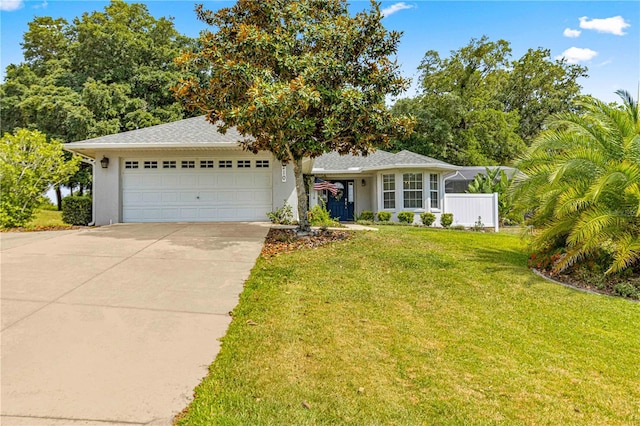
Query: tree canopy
[29, 164]
[105, 72]
[297, 79]
[477, 106]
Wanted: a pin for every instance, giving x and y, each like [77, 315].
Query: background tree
[297, 79]
[478, 107]
[106, 72]
[29, 164]
[581, 182]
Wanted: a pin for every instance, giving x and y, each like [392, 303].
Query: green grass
[45, 219]
[437, 327]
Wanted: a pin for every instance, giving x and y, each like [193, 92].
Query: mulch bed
[285, 240]
[571, 281]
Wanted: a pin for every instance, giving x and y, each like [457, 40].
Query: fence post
[496, 216]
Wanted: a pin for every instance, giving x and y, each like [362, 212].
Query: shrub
[405, 217]
[458, 228]
[319, 216]
[282, 215]
[366, 215]
[427, 218]
[384, 216]
[626, 289]
[76, 210]
[446, 219]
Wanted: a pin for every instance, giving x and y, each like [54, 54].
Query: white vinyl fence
[467, 209]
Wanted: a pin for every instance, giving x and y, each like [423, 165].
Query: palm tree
[581, 180]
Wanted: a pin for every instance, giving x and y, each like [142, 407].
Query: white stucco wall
[106, 190]
[284, 187]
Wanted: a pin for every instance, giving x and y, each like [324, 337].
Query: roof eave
[444, 167]
[92, 148]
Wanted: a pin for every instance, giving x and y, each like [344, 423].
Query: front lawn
[420, 326]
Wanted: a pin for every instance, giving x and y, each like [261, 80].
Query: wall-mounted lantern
[363, 182]
[104, 162]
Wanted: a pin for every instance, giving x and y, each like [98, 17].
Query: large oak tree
[477, 106]
[298, 79]
[105, 72]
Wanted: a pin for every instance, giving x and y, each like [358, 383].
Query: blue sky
[603, 35]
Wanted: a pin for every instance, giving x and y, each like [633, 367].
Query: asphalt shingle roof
[196, 130]
[334, 162]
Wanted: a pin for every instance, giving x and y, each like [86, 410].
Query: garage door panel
[131, 198]
[243, 181]
[151, 197]
[188, 181]
[131, 181]
[224, 180]
[198, 194]
[208, 196]
[226, 197]
[151, 181]
[188, 197]
[170, 197]
[207, 181]
[169, 213]
[170, 181]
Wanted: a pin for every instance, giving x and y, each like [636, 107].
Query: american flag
[320, 185]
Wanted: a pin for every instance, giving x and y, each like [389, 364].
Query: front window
[389, 191]
[433, 191]
[412, 187]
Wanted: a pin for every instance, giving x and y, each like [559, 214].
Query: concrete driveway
[116, 325]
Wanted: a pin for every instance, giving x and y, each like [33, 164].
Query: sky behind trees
[602, 35]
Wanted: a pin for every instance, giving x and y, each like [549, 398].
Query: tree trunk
[59, 197]
[303, 219]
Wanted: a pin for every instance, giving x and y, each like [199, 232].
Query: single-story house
[186, 171]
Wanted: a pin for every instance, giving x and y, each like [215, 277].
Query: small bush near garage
[405, 217]
[446, 219]
[384, 216]
[76, 210]
[282, 215]
[366, 215]
[427, 218]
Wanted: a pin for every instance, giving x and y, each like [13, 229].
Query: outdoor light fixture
[363, 183]
[104, 162]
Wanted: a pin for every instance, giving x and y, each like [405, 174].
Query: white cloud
[43, 5]
[614, 25]
[575, 55]
[395, 8]
[568, 32]
[9, 5]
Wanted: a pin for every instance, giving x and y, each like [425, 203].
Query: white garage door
[196, 189]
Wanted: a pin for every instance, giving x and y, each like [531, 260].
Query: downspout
[444, 188]
[92, 162]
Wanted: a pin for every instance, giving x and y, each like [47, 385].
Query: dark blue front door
[341, 205]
